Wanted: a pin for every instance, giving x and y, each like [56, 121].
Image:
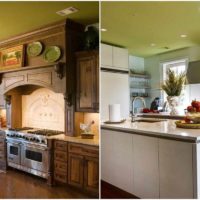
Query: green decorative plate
[52, 54]
[34, 49]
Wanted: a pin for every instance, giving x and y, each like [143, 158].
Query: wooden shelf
[140, 87]
[140, 76]
[140, 96]
[29, 67]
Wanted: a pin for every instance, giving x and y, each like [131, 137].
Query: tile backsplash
[43, 109]
[88, 117]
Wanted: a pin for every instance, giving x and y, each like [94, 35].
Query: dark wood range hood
[59, 77]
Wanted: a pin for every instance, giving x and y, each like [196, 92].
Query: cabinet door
[120, 58]
[117, 164]
[91, 174]
[75, 170]
[2, 150]
[87, 85]
[2, 101]
[176, 170]
[106, 55]
[106, 155]
[145, 167]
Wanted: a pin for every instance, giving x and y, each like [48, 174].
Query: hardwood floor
[17, 184]
[109, 191]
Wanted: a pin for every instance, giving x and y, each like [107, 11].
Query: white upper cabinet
[120, 58]
[106, 55]
[114, 57]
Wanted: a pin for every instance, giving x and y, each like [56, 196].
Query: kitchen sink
[148, 120]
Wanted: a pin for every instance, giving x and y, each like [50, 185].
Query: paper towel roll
[114, 113]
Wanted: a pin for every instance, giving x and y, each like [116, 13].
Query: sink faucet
[134, 115]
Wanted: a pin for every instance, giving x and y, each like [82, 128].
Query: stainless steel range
[27, 149]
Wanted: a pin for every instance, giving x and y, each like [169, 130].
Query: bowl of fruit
[192, 118]
[193, 113]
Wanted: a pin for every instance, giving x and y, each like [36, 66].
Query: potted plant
[173, 86]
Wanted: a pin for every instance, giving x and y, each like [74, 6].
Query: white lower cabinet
[106, 156]
[148, 167]
[176, 169]
[145, 167]
[117, 159]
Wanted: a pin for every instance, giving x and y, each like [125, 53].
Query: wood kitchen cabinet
[87, 95]
[91, 174]
[2, 150]
[60, 161]
[2, 100]
[84, 167]
[76, 170]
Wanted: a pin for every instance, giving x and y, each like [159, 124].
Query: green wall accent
[19, 17]
[135, 25]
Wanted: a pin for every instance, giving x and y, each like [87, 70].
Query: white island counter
[151, 160]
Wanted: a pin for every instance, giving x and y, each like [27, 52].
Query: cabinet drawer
[2, 143]
[2, 148]
[2, 165]
[83, 149]
[2, 136]
[60, 155]
[61, 177]
[60, 166]
[2, 156]
[60, 145]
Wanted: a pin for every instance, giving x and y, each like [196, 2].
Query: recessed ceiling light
[103, 29]
[153, 44]
[183, 35]
[67, 11]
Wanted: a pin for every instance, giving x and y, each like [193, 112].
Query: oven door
[35, 157]
[13, 151]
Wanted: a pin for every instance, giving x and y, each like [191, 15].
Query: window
[177, 66]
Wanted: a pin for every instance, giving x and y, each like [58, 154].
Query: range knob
[37, 140]
[42, 141]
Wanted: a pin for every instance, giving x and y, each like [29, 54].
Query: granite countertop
[93, 142]
[166, 129]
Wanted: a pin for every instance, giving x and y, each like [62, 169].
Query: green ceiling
[136, 25]
[19, 17]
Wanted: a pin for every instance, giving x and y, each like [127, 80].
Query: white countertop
[165, 128]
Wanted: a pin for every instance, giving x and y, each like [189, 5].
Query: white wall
[152, 66]
[137, 64]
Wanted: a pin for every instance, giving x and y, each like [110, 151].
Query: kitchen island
[151, 159]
